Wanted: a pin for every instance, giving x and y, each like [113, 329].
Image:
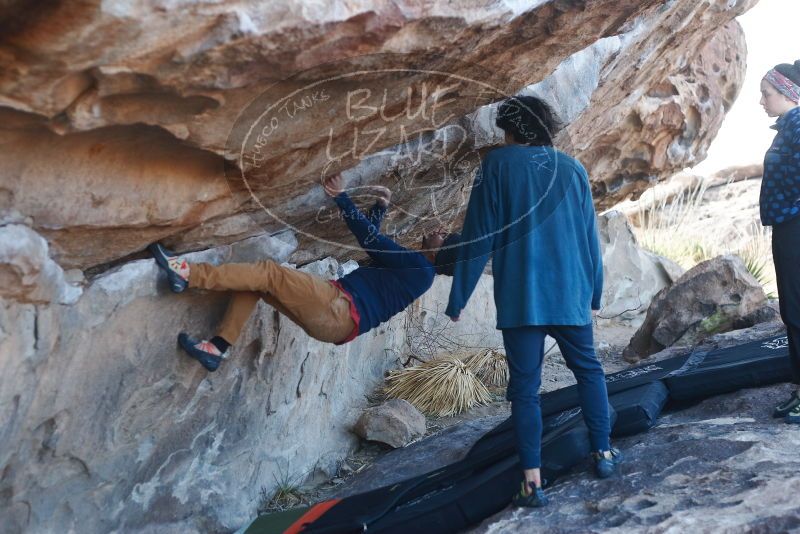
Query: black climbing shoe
[782, 410]
[535, 499]
[793, 417]
[606, 462]
[203, 351]
[168, 262]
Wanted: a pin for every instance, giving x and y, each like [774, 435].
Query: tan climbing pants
[313, 303]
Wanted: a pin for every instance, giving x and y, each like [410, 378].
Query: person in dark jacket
[330, 311]
[780, 208]
[531, 211]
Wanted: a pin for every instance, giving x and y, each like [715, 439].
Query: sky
[771, 30]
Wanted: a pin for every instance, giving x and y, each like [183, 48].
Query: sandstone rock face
[120, 125]
[632, 276]
[107, 426]
[99, 130]
[395, 423]
[710, 298]
[658, 125]
[27, 274]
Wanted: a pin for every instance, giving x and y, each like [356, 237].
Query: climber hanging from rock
[330, 311]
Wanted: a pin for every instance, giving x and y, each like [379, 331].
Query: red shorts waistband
[353, 312]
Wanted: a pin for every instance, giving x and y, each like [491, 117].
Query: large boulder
[119, 124]
[658, 118]
[27, 273]
[133, 136]
[712, 297]
[106, 425]
[632, 275]
[395, 423]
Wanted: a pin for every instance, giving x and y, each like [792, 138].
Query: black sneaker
[793, 417]
[177, 283]
[535, 499]
[606, 462]
[203, 351]
[782, 410]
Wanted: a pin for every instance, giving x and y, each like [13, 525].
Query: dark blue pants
[525, 352]
[786, 254]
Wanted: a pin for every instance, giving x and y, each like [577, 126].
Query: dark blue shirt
[780, 186]
[396, 277]
[531, 211]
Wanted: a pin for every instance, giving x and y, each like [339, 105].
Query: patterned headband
[784, 85]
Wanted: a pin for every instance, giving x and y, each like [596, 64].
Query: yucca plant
[757, 257]
[661, 225]
[286, 494]
[490, 366]
[441, 387]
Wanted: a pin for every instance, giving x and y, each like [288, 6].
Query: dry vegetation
[669, 228]
[441, 387]
[490, 366]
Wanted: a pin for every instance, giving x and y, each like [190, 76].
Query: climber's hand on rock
[384, 195]
[333, 184]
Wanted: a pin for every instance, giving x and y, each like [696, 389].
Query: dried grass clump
[440, 387]
[490, 366]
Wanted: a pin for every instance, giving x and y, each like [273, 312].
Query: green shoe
[535, 499]
[793, 417]
[782, 410]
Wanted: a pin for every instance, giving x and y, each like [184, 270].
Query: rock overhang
[158, 96]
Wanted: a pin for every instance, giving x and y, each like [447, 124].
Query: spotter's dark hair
[530, 120]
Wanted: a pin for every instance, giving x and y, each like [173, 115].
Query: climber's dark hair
[791, 71]
[448, 254]
[529, 120]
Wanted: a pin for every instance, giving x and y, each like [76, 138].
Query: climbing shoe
[535, 499]
[605, 462]
[203, 351]
[793, 417]
[782, 410]
[177, 269]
